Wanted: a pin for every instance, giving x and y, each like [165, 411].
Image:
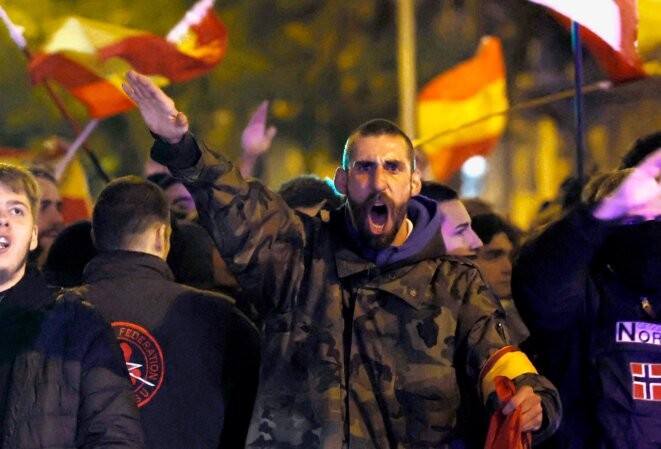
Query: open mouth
[378, 217]
[4, 243]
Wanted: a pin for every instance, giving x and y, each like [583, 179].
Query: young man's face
[50, 221]
[379, 184]
[494, 260]
[18, 236]
[456, 230]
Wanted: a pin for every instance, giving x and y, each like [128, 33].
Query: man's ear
[340, 180]
[34, 239]
[162, 240]
[416, 182]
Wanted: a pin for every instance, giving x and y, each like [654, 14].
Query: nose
[474, 241]
[379, 179]
[507, 266]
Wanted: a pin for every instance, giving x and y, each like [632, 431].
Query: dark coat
[68, 386]
[358, 352]
[591, 333]
[193, 357]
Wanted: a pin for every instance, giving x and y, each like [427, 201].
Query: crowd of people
[199, 309]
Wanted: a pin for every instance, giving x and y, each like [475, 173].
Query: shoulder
[72, 326]
[456, 267]
[460, 275]
[206, 296]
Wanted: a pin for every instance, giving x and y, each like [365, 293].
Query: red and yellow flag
[90, 58]
[467, 92]
[73, 187]
[624, 36]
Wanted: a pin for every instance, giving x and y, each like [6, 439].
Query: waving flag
[90, 58]
[615, 32]
[467, 92]
[72, 185]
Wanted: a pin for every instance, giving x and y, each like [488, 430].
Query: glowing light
[474, 167]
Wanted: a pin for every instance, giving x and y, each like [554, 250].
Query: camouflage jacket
[352, 355]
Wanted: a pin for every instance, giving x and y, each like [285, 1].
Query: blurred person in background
[458, 236]
[500, 240]
[50, 220]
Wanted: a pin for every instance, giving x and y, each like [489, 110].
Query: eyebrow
[17, 203]
[373, 162]
[462, 226]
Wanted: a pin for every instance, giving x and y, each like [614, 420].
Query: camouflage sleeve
[481, 327]
[550, 403]
[258, 235]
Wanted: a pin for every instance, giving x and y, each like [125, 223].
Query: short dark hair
[438, 191]
[308, 191]
[126, 207]
[376, 127]
[20, 180]
[486, 226]
[640, 149]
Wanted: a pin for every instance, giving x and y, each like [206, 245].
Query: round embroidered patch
[144, 359]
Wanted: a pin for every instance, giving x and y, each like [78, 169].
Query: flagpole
[16, 34]
[73, 148]
[578, 101]
[406, 64]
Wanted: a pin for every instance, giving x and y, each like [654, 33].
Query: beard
[362, 212]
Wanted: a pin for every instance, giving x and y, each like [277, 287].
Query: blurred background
[327, 66]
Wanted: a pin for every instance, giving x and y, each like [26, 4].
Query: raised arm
[157, 109]
[551, 274]
[639, 193]
[259, 237]
[256, 139]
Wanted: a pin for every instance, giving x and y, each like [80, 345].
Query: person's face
[181, 201]
[18, 236]
[49, 221]
[458, 236]
[379, 184]
[494, 260]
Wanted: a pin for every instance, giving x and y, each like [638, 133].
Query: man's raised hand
[157, 109]
[639, 193]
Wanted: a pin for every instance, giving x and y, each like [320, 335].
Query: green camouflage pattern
[416, 327]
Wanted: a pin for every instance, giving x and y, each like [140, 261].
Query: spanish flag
[90, 58]
[467, 92]
[72, 185]
[624, 36]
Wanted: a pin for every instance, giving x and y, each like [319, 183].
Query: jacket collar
[114, 264]
[425, 241]
[30, 293]
[352, 266]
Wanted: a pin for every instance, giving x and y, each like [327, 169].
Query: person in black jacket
[63, 382]
[589, 289]
[192, 357]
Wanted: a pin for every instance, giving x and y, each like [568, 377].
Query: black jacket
[64, 377]
[193, 386]
[594, 339]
